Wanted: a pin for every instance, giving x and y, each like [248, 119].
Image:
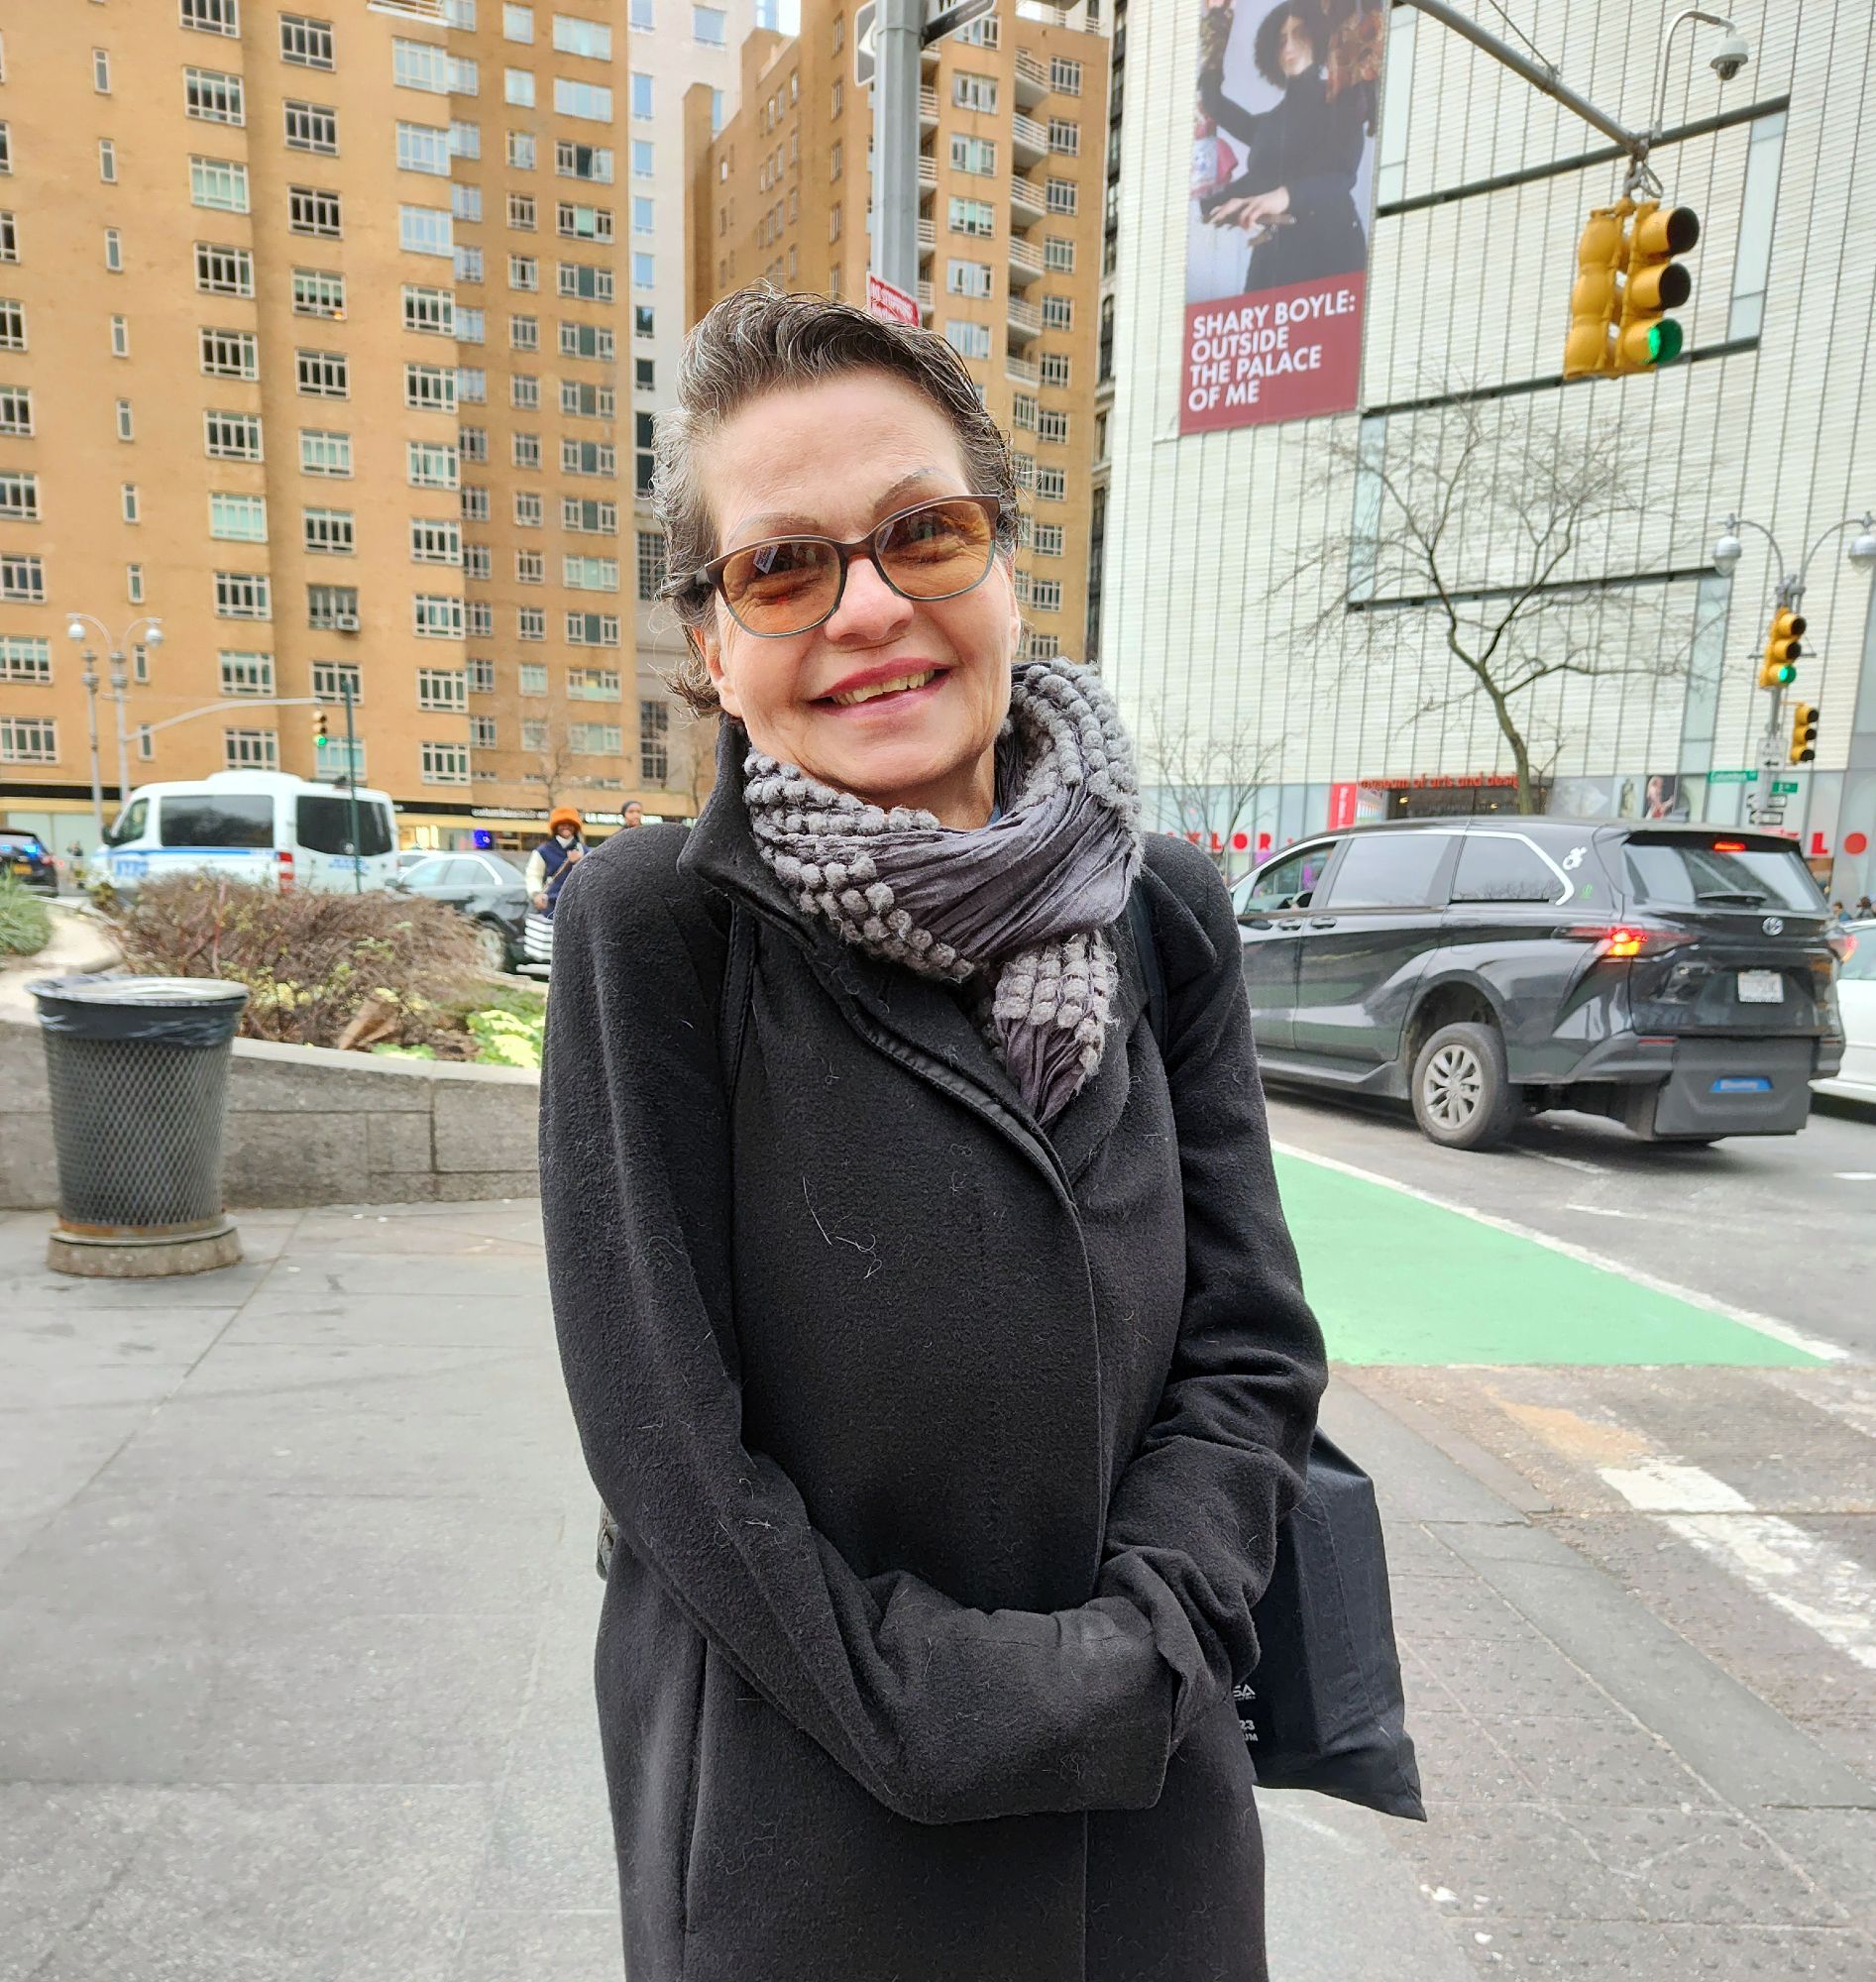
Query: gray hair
[759, 341]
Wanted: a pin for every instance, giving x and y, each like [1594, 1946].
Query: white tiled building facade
[1481, 191]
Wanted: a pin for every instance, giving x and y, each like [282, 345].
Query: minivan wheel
[1463, 1097]
[491, 945]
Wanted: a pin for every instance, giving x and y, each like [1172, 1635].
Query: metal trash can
[138, 1069]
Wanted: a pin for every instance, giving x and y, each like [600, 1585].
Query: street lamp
[77, 625]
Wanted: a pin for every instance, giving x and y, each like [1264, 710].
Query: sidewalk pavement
[297, 1603]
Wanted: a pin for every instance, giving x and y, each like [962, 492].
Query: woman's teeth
[893, 687]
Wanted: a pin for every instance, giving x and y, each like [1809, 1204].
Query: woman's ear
[708, 648]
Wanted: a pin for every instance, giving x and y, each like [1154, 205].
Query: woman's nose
[870, 609]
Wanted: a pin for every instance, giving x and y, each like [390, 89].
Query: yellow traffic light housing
[1596, 297]
[1803, 733]
[321, 720]
[1782, 649]
[1655, 282]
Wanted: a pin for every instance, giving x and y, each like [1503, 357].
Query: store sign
[1280, 210]
[882, 299]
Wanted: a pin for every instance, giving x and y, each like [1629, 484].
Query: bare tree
[554, 767]
[1210, 779]
[1467, 514]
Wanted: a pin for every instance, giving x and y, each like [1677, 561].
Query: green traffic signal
[1664, 342]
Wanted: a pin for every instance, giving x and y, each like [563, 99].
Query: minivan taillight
[284, 869]
[1621, 942]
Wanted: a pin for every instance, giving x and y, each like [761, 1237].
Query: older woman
[934, 1337]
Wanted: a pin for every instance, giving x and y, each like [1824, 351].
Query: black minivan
[1676, 978]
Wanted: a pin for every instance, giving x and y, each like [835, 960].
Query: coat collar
[927, 1019]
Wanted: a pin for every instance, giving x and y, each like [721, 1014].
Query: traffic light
[1596, 297]
[1803, 733]
[321, 720]
[1782, 649]
[1646, 338]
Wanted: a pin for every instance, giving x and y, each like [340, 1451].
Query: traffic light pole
[897, 36]
[352, 788]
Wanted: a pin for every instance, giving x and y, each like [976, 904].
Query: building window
[1048, 539]
[1064, 75]
[16, 409]
[425, 148]
[107, 166]
[306, 43]
[219, 183]
[836, 100]
[12, 325]
[1055, 368]
[482, 732]
[134, 583]
[1064, 137]
[311, 127]
[468, 265]
[322, 375]
[430, 465]
[1052, 484]
[517, 87]
[968, 340]
[223, 272]
[1058, 312]
[435, 541]
[240, 519]
[533, 682]
[429, 310]
[445, 763]
[589, 340]
[478, 563]
[251, 750]
[243, 594]
[27, 739]
[641, 94]
[588, 515]
[527, 449]
[436, 615]
[595, 161]
[518, 25]
[465, 140]
[595, 739]
[126, 419]
[318, 292]
[424, 230]
[231, 436]
[654, 743]
[530, 623]
[592, 684]
[973, 92]
[589, 574]
[590, 100]
[1061, 197]
[974, 216]
[1059, 255]
[120, 337]
[1040, 646]
[589, 281]
[1053, 426]
[580, 400]
[25, 658]
[471, 384]
[212, 17]
[313, 210]
[19, 497]
[229, 354]
[478, 619]
[595, 222]
[482, 677]
[420, 65]
[591, 39]
[22, 577]
[968, 279]
[651, 563]
[1045, 595]
[442, 688]
[328, 532]
[9, 236]
[644, 158]
[337, 681]
[530, 567]
[709, 27]
[474, 505]
[430, 387]
[592, 629]
[521, 150]
[322, 452]
[245, 672]
[974, 155]
[332, 608]
[212, 97]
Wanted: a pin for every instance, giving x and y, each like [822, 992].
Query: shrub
[311, 961]
[25, 926]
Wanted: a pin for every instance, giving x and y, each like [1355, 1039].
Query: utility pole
[352, 788]
[897, 37]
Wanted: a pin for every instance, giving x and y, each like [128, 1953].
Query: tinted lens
[782, 586]
[939, 549]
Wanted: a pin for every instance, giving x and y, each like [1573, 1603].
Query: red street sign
[882, 299]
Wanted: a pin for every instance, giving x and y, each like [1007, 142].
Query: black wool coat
[948, 1454]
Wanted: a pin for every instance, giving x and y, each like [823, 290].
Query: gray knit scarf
[1019, 907]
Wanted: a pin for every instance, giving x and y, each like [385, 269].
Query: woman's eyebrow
[769, 521]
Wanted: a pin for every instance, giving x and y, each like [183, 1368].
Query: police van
[250, 826]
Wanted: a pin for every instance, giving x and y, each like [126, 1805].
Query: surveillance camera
[1730, 57]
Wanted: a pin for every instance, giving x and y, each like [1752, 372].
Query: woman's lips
[881, 696]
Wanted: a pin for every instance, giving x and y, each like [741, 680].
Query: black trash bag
[1326, 1712]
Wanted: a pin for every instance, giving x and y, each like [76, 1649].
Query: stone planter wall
[308, 1125]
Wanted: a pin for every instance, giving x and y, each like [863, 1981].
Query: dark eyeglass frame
[709, 577]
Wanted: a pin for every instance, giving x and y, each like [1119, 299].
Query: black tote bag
[1327, 1711]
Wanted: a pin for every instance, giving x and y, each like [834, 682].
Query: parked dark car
[488, 889]
[25, 856]
[1675, 978]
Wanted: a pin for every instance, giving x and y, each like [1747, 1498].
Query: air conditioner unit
[347, 622]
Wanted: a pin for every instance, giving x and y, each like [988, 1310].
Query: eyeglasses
[789, 585]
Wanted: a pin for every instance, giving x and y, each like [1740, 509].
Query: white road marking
[1794, 1569]
[1606, 1211]
[1855, 1176]
[1765, 1324]
[1566, 1163]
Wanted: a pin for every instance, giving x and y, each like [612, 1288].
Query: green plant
[311, 961]
[25, 927]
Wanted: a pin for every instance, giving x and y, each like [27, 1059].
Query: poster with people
[1287, 105]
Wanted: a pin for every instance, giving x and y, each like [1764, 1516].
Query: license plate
[22, 867]
[1761, 987]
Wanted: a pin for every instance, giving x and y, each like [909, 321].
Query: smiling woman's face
[836, 459]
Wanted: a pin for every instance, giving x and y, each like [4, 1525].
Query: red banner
[1280, 356]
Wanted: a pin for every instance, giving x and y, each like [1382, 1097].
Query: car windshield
[1718, 873]
[22, 845]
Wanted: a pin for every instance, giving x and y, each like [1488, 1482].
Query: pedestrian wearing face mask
[547, 869]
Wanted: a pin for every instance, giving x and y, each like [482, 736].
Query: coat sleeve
[943, 1713]
[1191, 1528]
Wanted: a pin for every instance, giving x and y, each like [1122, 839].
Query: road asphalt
[298, 1603]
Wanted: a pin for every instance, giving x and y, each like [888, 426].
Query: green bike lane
[1397, 1278]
